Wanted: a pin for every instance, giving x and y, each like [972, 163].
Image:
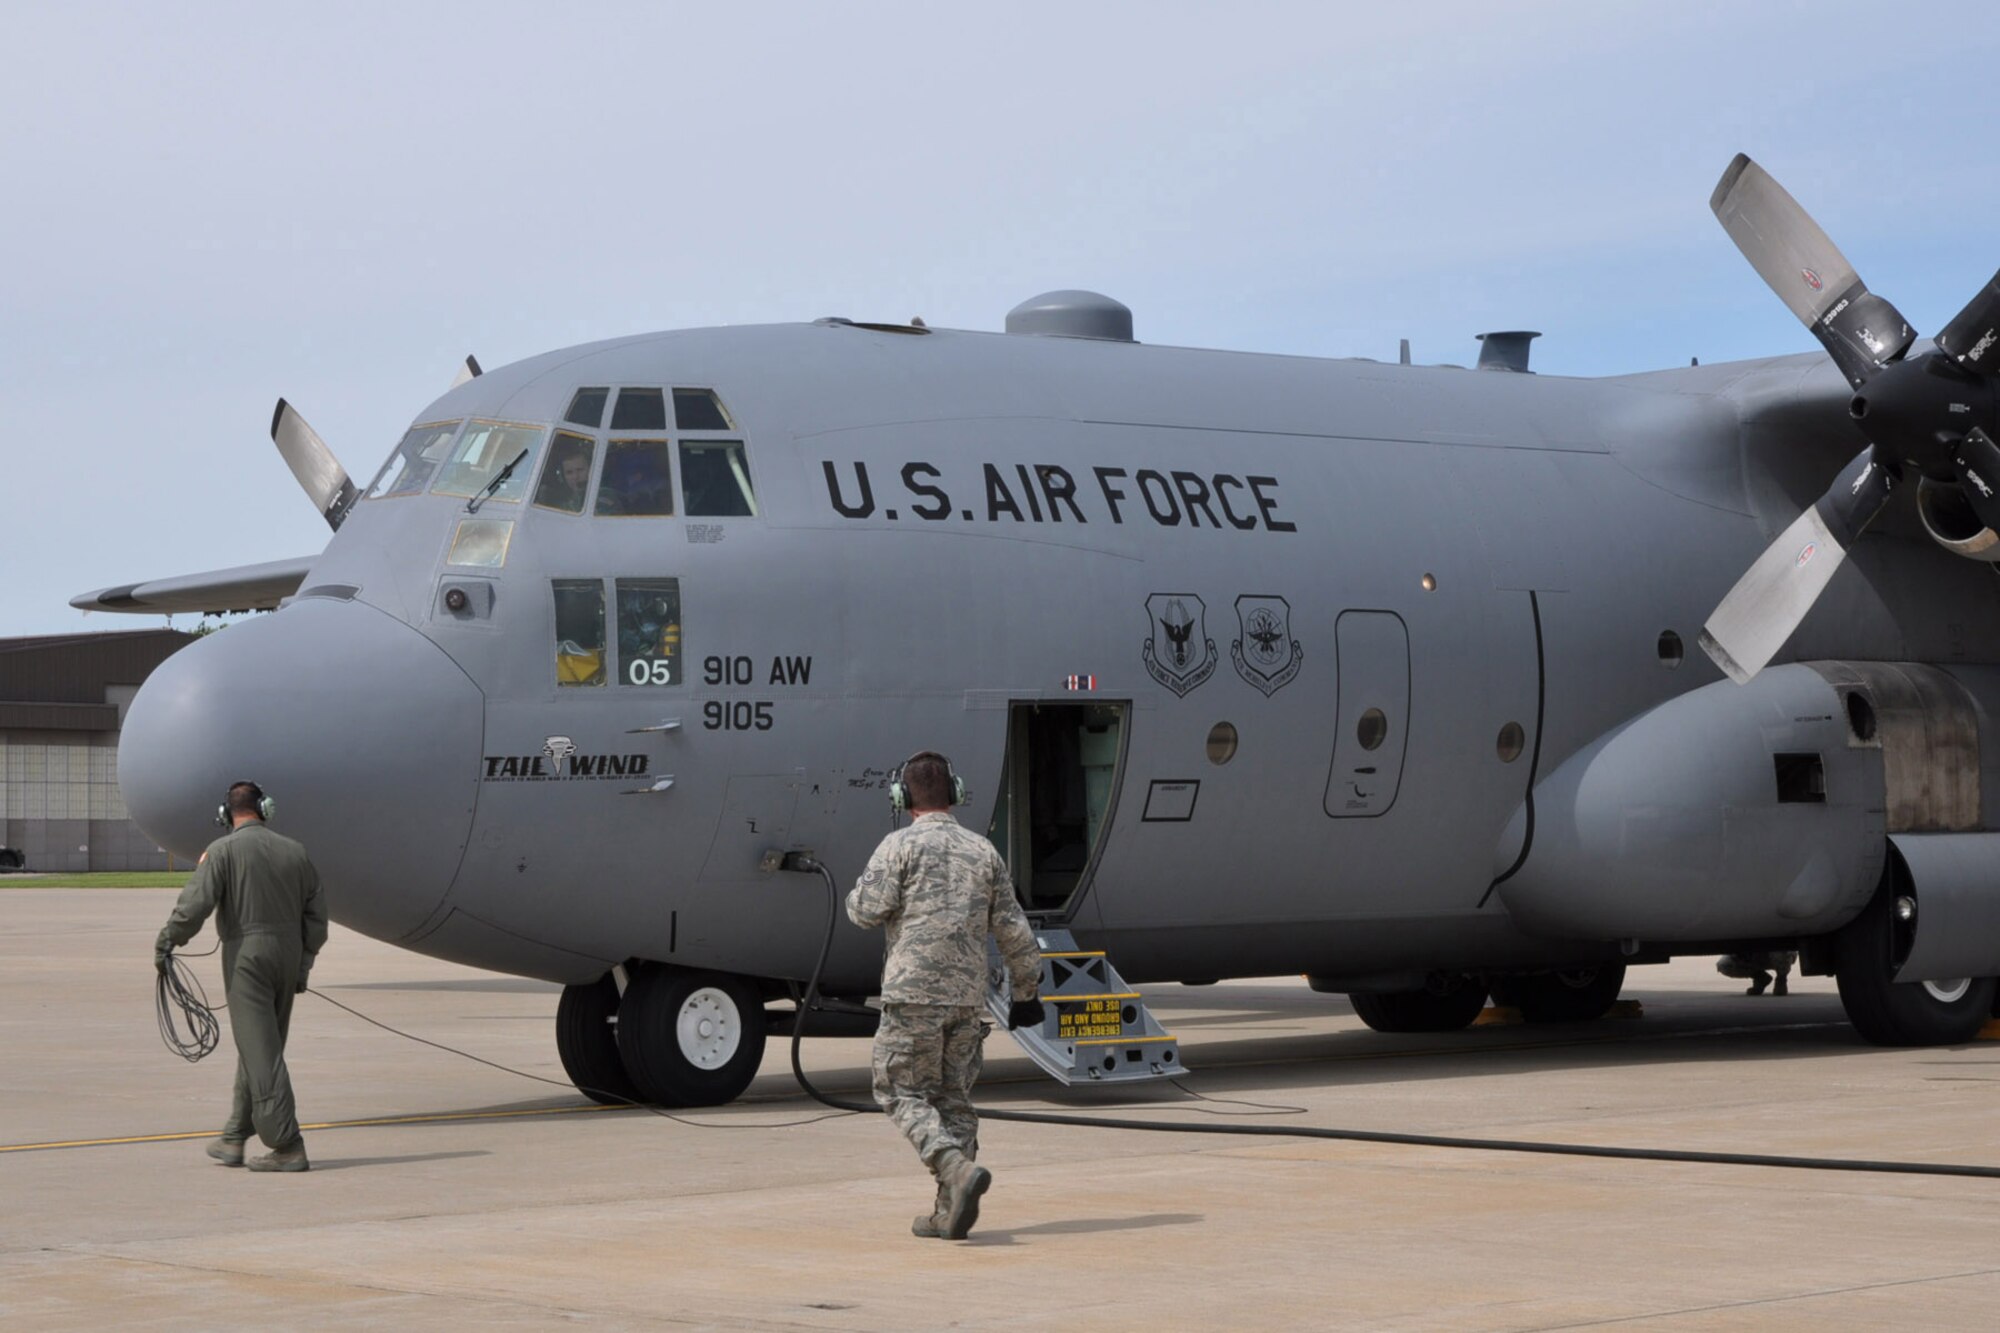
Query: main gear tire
[587, 1041]
[690, 1038]
[1868, 951]
[1566, 995]
[1445, 1004]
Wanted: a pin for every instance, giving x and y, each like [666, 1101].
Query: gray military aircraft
[1254, 664]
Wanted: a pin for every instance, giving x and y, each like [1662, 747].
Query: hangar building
[62, 701]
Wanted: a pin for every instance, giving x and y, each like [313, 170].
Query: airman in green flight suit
[271, 914]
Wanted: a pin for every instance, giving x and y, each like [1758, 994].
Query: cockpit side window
[638, 481]
[415, 461]
[579, 631]
[716, 479]
[587, 408]
[700, 409]
[483, 451]
[566, 476]
[649, 631]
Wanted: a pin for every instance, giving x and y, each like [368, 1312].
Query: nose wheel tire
[1566, 995]
[587, 1041]
[1867, 953]
[690, 1038]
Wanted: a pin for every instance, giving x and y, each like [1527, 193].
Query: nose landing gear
[690, 1038]
[587, 1041]
[676, 1037]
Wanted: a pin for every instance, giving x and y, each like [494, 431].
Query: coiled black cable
[178, 999]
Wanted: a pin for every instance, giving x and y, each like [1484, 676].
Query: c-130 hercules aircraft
[1253, 664]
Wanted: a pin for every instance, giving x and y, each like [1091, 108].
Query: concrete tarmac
[449, 1192]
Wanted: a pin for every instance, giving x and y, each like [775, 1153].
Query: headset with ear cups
[266, 807]
[899, 793]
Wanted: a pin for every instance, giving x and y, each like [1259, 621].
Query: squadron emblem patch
[1267, 655]
[1178, 653]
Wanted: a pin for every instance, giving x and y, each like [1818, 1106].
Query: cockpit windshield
[484, 449]
[415, 461]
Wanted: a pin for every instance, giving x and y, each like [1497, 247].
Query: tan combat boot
[964, 1182]
[229, 1152]
[292, 1157]
[930, 1226]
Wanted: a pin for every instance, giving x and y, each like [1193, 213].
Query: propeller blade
[325, 481]
[1860, 331]
[1752, 623]
[1973, 337]
[469, 371]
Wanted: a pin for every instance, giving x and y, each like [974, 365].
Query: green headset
[265, 806]
[899, 793]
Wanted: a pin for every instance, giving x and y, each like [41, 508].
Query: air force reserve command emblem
[1267, 655]
[1178, 653]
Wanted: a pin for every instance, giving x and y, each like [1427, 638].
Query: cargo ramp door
[1095, 1028]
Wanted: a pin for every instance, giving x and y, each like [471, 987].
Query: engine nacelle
[1952, 524]
[1748, 811]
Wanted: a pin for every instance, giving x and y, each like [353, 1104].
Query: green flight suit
[271, 914]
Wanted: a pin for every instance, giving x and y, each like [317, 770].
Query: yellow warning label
[1088, 1018]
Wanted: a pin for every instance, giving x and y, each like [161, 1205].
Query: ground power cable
[1292, 1131]
[188, 1024]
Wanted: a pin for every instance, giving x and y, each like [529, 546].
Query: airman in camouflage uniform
[940, 890]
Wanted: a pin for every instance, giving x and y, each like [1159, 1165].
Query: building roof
[76, 670]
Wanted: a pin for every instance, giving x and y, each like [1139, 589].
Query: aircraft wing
[244, 588]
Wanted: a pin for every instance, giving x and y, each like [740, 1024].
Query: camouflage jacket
[941, 889]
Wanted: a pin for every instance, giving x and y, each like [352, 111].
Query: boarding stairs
[1095, 1028]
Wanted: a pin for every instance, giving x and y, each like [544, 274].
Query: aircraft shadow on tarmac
[1677, 1027]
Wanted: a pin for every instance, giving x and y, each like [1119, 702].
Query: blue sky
[207, 209]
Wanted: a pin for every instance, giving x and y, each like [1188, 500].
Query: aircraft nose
[362, 730]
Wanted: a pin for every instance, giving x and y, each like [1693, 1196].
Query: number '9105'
[736, 715]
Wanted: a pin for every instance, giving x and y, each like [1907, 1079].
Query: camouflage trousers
[927, 1057]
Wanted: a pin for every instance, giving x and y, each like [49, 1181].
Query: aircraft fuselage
[1341, 616]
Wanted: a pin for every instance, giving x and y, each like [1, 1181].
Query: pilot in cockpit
[567, 477]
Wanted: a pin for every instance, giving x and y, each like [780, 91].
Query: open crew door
[1058, 789]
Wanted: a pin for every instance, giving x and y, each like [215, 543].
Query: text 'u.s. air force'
[1050, 493]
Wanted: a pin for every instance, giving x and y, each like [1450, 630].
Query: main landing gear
[1450, 1001]
[1866, 955]
[1566, 995]
[676, 1037]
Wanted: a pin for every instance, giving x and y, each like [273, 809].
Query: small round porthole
[1372, 729]
[1670, 649]
[1512, 738]
[1221, 743]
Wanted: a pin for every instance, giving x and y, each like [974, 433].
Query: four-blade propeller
[319, 473]
[1932, 414]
